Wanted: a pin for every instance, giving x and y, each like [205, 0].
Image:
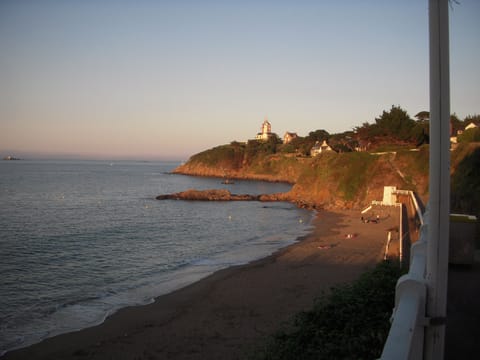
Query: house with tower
[266, 131]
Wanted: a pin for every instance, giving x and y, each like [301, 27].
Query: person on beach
[373, 221]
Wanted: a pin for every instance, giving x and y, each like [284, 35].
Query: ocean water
[82, 239]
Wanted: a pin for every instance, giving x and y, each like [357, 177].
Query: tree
[366, 132]
[261, 147]
[396, 124]
[302, 145]
[455, 124]
[470, 135]
[318, 135]
[472, 118]
[343, 142]
[423, 116]
[420, 133]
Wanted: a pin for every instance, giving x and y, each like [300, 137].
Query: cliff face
[353, 180]
[330, 180]
[274, 167]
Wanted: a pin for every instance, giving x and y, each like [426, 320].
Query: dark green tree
[396, 124]
[472, 118]
[343, 142]
[423, 116]
[366, 131]
[470, 135]
[256, 148]
[302, 145]
[318, 135]
[455, 124]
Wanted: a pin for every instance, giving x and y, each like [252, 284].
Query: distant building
[266, 132]
[288, 137]
[454, 138]
[472, 125]
[9, 157]
[319, 148]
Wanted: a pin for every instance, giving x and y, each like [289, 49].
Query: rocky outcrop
[221, 195]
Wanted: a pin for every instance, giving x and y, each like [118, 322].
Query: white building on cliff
[266, 132]
[318, 148]
[289, 136]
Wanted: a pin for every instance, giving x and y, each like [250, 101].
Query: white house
[319, 148]
[288, 137]
[472, 125]
[454, 139]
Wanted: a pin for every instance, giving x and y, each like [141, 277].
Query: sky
[145, 79]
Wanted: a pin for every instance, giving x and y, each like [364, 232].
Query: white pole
[400, 234]
[439, 200]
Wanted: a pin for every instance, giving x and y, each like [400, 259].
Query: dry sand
[230, 313]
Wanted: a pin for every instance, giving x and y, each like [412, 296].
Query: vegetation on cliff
[254, 160]
[330, 180]
[393, 151]
[352, 319]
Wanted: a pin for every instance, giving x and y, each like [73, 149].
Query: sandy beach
[230, 313]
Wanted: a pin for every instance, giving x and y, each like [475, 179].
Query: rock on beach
[220, 195]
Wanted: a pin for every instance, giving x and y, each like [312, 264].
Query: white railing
[417, 208]
[410, 326]
[401, 233]
[406, 336]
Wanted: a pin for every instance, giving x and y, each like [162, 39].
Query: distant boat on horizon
[9, 157]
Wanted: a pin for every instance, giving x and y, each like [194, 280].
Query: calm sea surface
[81, 239]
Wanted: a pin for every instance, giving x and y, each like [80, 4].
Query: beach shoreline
[231, 312]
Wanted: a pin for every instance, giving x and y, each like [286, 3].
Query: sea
[81, 239]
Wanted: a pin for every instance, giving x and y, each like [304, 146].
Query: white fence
[406, 337]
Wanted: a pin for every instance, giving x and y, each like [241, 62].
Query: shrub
[351, 322]
[470, 135]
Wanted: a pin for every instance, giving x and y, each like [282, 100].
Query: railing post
[439, 183]
[400, 235]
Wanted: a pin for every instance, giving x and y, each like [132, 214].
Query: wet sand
[230, 313]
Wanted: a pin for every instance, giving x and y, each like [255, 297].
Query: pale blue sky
[166, 79]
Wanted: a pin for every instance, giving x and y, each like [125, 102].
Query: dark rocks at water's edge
[221, 195]
[225, 195]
